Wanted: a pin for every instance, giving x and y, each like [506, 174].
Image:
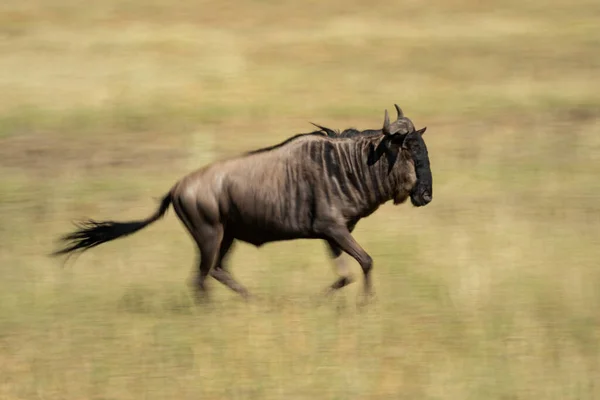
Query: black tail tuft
[91, 233]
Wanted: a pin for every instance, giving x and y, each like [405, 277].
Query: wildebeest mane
[352, 133]
[347, 133]
[322, 131]
[288, 140]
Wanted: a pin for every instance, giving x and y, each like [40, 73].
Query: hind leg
[219, 272]
[209, 241]
[208, 238]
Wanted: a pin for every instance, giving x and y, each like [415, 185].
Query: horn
[329, 132]
[400, 113]
[386, 124]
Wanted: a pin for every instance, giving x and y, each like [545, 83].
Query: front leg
[341, 237]
[341, 266]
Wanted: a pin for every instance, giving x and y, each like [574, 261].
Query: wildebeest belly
[260, 234]
[268, 224]
[277, 209]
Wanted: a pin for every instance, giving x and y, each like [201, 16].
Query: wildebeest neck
[350, 174]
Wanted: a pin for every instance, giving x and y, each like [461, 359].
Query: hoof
[366, 299]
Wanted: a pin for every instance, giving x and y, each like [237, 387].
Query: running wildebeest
[316, 185]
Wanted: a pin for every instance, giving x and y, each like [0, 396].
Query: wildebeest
[311, 186]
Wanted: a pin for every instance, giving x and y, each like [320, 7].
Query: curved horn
[399, 110]
[386, 124]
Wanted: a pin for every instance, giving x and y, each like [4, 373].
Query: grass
[489, 292]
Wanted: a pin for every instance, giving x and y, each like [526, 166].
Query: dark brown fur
[309, 187]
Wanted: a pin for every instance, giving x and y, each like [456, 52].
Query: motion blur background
[489, 292]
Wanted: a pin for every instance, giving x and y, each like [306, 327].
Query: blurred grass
[489, 292]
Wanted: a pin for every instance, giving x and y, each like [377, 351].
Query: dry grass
[490, 292]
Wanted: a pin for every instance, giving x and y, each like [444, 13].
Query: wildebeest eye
[412, 145]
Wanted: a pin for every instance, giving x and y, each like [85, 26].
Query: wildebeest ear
[398, 139]
[383, 148]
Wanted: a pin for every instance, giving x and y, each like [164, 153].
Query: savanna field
[492, 291]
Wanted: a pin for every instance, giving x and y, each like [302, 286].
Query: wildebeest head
[401, 139]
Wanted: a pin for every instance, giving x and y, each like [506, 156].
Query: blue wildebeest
[316, 185]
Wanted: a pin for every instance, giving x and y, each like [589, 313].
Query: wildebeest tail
[92, 233]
